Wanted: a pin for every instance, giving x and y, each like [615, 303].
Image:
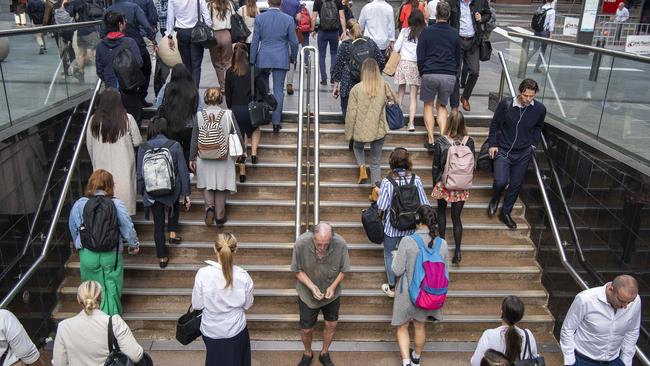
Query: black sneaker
[305, 360]
[325, 359]
[323, 82]
[429, 146]
[414, 361]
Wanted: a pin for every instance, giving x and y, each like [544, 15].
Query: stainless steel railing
[57, 211]
[549, 211]
[308, 79]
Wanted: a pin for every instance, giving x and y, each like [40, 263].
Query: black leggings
[456, 209]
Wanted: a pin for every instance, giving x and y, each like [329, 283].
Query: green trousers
[100, 267]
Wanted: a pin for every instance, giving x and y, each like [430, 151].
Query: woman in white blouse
[508, 338]
[224, 292]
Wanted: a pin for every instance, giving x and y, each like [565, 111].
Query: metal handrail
[47, 28]
[549, 212]
[41, 203]
[600, 50]
[59, 207]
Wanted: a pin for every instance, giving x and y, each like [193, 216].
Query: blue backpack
[428, 288]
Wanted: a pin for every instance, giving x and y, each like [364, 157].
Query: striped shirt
[386, 196]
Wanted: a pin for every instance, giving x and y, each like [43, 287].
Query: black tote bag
[188, 326]
[202, 35]
[262, 106]
[239, 32]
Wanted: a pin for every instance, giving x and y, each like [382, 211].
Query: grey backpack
[158, 169]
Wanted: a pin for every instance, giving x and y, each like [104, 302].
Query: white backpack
[212, 141]
[459, 169]
[158, 169]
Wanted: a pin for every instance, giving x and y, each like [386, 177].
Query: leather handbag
[531, 360]
[234, 143]
[485, 50]
[202, 35]
[391, 64]
[115, 355]
[188, 326]
[394, 114]
[239, 32]
[260, 108]
[483, 162]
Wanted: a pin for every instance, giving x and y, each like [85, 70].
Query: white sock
[406, 362]
[415, 355]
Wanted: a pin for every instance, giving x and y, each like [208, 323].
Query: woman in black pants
[179, 107]
[455, 132]
[238, 95]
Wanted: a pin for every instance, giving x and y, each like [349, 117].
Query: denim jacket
[127, 231]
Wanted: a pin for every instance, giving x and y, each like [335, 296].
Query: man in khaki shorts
[438, 56]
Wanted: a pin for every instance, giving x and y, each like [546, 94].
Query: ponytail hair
[225, 247]
[512, 310]
[427, 216]
[89, 295]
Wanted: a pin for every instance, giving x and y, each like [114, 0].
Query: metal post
[316, 142]
[595, 63]
[301, 94]
[523, 58]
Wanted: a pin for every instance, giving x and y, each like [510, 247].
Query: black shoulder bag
[530, 361]
[239, 32]
[260, 109]
[115, 355]
[202, 35]
[188, 326]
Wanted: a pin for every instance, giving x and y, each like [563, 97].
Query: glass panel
[36, 78]
[626, 119]
[4, 109]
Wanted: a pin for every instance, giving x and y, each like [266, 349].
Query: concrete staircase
[496, 261]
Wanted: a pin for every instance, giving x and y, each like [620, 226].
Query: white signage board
[570, 27]
[638, 44]
[589, 15]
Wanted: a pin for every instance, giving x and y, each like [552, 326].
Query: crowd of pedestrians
[195, 137]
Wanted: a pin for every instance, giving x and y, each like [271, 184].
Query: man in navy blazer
[273, 34]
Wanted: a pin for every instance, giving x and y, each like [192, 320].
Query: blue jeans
[583, 361]
[390, 244]
[510, 171]
[278, 90]
[325, 38]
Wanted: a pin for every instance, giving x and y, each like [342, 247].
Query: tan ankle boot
[363, 175]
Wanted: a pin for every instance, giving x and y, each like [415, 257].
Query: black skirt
[235, 351]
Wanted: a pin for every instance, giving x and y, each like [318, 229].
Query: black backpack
[359, 52]
[128, 72]
[373, 224]
[100, 231]
[92, 10]
[329, 16]
[404, 204]
[539, 18]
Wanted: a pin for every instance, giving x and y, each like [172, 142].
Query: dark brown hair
[110, 121]
[100, 180]
[158, 125]
[416, 24]
[528, 84]
[239, 59]
[512, 310]
[494, 358]
[427, 216]
[400, 159]
[456, 125]
[220, 6]
[181, 98]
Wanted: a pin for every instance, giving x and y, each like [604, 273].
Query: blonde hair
[89, 295]
[212, 96]
[225, 246]
[354, 29]
[371, 79]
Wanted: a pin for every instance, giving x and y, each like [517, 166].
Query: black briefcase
[188, 326]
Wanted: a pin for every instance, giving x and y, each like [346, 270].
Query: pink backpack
[459, 169]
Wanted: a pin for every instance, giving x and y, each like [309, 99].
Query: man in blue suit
[274, 33]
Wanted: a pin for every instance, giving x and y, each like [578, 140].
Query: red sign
[610, 6]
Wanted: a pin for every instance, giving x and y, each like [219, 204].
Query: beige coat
[83, 340]
[119, 160]
[365, 120]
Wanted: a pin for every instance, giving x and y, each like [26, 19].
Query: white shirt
[219, 23]
[466, 27]
[407, 49]
[592, 328]
[549, 21]
[223, 308]
[376, 20]
[183, 14]
[622, 15]
[14, 337]
[496, 340]
[431, 7]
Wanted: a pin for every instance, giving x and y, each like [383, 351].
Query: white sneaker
[386, 289]
[411, 127]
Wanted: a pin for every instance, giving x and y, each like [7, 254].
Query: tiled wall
[610, 206]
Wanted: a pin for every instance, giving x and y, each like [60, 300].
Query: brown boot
[363, 175]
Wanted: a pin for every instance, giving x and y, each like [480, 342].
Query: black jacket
[477, 6]
[440, 157]
[36, 11]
